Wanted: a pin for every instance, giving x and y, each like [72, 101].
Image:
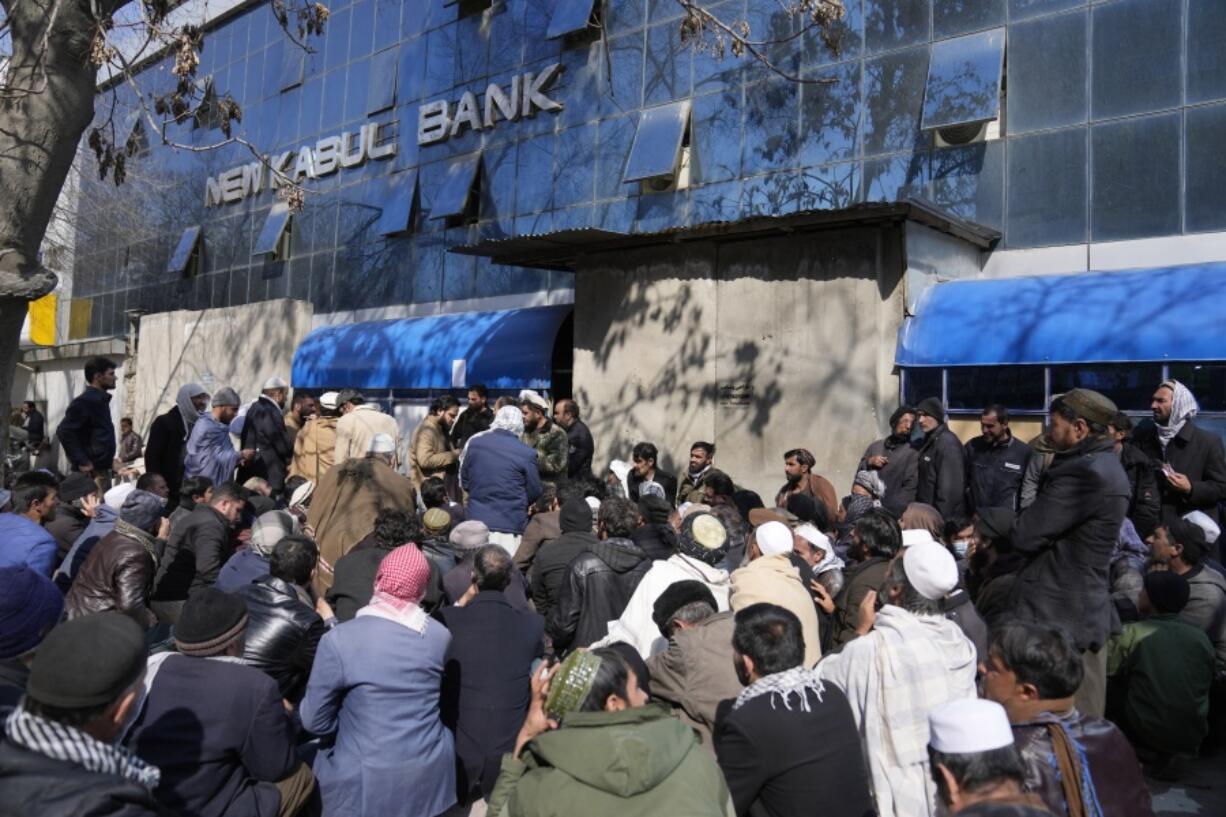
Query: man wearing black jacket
[942, 464]
[1144, 506]
[197, 549]
[578, 437]
[549, 566]
[86, 432]
[264, 432]
[995, 463]
[474, 419]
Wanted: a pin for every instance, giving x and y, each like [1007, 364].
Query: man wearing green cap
[1069, 534]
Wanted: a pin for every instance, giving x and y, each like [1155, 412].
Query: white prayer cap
[534, 398]
[968, 726]
[774, 538]
[918, 536]
[329, 400]
[274, 383]
[809, 532]
[931, 569]
[381, 444]
[593, 503]
[1205, 522]
[116, 496]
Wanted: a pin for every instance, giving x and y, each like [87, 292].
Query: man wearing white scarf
[1190, 461]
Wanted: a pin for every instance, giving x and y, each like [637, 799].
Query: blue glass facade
[1110, 117]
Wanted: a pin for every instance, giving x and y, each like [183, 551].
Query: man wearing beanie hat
[30, 605]
[549, 566]
[118, 573]
[1068, 535]
[922, 658]
[896, 461]
[974, 761]
[78, 499]
[700, 547]
[771, 577]
[1160, 671]
[240, 758]
[942, 464]
[59, 756]
[210, 451]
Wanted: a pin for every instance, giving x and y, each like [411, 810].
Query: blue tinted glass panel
[973, 388]
[715, 137]
[890, 24]
[381, 93]
[615, 137]
[183, 250]
[1206, 381]
[361, 34]
[844, 40]
[1136, 57]
[1135, 178]
[772, 126]
[895, 178]
[534, 182]
[621, 88]
[1130, 386]
[569, 16]
[472, 49]
[1047, 189]
[575, 166]
[918, 384]
[1022, 9]
[387, 23]
[1206, 50]
[964, 80]
[336, 40]
[657, 143]
[970, 182]
[498, 183]
[398, 192]
[776, 31]
[273, 229]
[1047, 73]
[830, 115]
[451, 199]
[951, 17]
[358, 81]
[624, 15]
[1205, 193]
[893, 101]
[666, 74]
[412, 72]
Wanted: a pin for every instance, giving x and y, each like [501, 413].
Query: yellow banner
[42, 320]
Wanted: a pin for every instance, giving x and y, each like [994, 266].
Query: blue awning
[1171, 313]
[503, 350]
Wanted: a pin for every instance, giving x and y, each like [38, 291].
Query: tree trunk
[47, 103]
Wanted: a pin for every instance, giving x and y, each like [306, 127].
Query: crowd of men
[295, 609]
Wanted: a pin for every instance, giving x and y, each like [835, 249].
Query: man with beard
[23, 539]
[545, 436]
[475, 418]
[579, 439]
[264, 432]
[702, 460]
[798, 469]
[209, 450]
[896, 461]
[942, 464]
[1189, 460]
[431, 453]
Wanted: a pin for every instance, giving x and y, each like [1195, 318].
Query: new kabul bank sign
[436, 122]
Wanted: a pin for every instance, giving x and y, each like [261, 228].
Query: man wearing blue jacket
[500, 475]
[87, 432]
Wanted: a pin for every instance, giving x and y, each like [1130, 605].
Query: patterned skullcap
[571, 684]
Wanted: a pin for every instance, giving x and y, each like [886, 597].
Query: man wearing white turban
[500, 475]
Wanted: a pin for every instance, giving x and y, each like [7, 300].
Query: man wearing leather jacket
[1033, 671]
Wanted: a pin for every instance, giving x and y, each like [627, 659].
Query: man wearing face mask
[59, 753]
[896, 461]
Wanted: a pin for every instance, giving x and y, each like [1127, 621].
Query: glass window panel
[829, 187]
[1047, 189]
[381, 93]
[964, 80]
[472, 49]
[1135, 178]
[830, 115]
[1022, 9]
[621, 89]
[951, 17]
[657, 142]
[666, 74]
[534, 177]
[412, 72]
[715, 137]
[451, 198]
[616, 135]
[336, 40]
[772, 126]
[895, 178]
[1129, 385]
[890, 24]
[569, 16]
[893, 100]
[498, 186]
[182, 255]
[575, 166]
[919, 384]
[1205, 186]
[357, 80]
[1206, 50]
[1137, 57]
[1047, 73]
[1207, 382]
[387, 23]
[398, 192]
[842, 41]
[624, 15]
[970, 182]
[361, 28]
[776, 29]
[440, 61]
[274, 227]
[974, 388]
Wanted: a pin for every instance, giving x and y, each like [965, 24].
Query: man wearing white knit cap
[908, 660]
[264, 432]
[771, 577]
[974, 762]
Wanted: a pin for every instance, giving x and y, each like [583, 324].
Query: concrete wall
[759, 346]
[237, 346]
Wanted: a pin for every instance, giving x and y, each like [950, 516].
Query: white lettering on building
[438, 121]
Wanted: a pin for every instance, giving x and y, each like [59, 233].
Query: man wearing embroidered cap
[264, 432]
[970, 748]
[771, 577]
[922, 658]
[787, 741]
[1068, 535]
[315, 446]
[544, 436]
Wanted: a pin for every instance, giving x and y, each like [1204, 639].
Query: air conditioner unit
[678, 181]
[967, 134]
